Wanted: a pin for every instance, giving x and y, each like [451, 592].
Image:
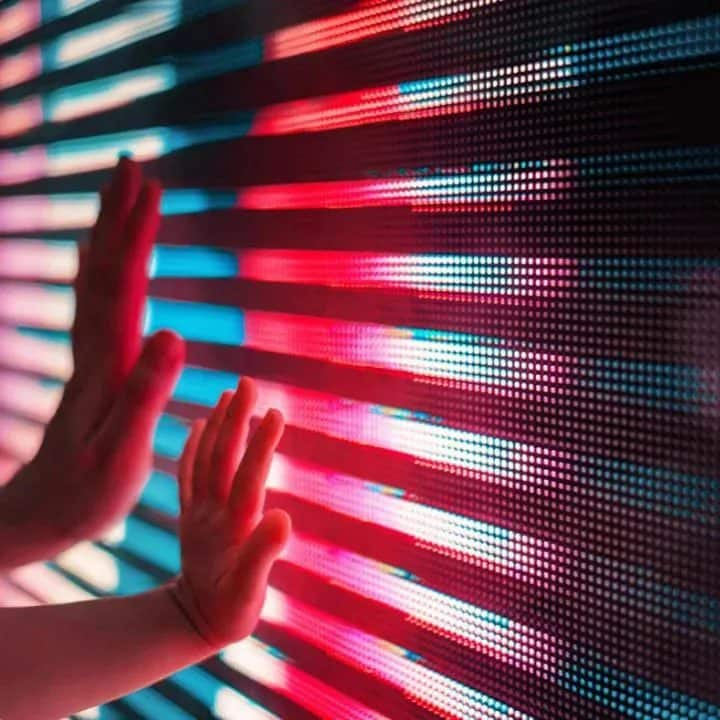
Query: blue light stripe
[201, 322]
[632, 695]
[180, 202]
[150, 542]
[203, 386]
[175, 261]
[170, 436]
[161, 493]
[228, 58]
[200, 684]
[153, 705]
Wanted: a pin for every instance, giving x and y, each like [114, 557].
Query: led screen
[470, 250]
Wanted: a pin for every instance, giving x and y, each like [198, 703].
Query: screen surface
[470, 250]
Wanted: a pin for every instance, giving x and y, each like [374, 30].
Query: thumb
[257, 556]
[130, 424]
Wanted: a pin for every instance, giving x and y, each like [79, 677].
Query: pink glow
[376, 656]
[49, 585]
[446, 194]
[19, 117]
[359, 107]
[18, 68]
[499, 191]
[33, 213]
[493, 460]
[448, 534]
[538, 278]
[370, 18]
[441, 355]
[26, 396]
[43, 307]
[466, 624]
[21, 258]
[452, 95]
[255, 660]
[20, 437]
[32, 354]
[18, 166]
[19, 19]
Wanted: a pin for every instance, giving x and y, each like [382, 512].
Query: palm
[97, 448]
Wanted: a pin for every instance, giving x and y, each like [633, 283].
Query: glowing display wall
[471, 250]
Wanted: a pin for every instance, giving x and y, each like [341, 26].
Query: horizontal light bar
[20, 438]
[564, 67]
[48, 585]
[139, 21]
[19, 18]
[96, 153]
[26, 15]
[368, 19]
[632, 696]
[28, 396]
[30, 353]
[371, 654]
[500, 461]
[151, 703]
[465, 623]
[490, 187]
[494, 191]
[441, 274]
[269, 667]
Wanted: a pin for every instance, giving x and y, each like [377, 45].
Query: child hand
[228, 546]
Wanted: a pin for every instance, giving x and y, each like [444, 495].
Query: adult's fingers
[122, 196]
[125, 313]
[231, 439]
[203, 457]
[248, 491]
[79, 334]
[129, 426]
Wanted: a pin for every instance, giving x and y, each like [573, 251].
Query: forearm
[59, 659]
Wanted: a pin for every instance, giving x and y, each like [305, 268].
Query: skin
[97, 448]
[51, 653]
[89, 471]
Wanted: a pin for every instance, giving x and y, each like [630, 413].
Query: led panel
[470, 248]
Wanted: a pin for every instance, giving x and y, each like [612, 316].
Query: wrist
[182, 598]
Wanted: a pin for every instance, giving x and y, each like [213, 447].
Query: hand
[228, 546]
[97, 449]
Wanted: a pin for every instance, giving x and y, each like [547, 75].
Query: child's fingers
[231, 439]
[187, 461]
[248, 489]
[203, 456]
[257, 556]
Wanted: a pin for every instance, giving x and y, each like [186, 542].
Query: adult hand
[97, 449]
[228, 546]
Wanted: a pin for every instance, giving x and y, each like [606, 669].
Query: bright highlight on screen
[470, 250]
